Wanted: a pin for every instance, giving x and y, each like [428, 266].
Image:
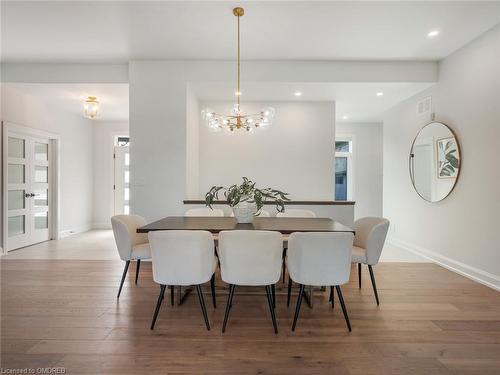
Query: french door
[28, 190]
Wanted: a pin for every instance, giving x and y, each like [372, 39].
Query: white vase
[244, 212]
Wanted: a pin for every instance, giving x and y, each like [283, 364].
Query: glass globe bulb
[236, 109]
[268, 112]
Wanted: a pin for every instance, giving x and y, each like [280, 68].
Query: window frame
[351, 163]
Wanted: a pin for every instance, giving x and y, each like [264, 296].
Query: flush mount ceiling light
[345, 117]
[433, 33]
[238, 119]
[298, 93]
[380, 93]
[91, 107]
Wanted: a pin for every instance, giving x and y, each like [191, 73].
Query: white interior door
[122, 180]
[28, 188]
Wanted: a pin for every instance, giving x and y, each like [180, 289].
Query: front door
[28, 190]
[122, 180]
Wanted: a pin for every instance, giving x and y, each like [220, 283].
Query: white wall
[368, 166]
[158, 113]
[75, 152]
[103, 170]
[192, 145]
[462, 231]
[294, 154]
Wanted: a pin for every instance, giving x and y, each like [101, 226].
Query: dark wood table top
[285, 225]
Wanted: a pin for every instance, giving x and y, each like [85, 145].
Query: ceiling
[355, 102]
[69, 31]
[69, 97]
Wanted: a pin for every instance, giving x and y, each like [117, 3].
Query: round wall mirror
[434, 162]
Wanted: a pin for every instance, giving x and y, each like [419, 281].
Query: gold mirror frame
[411, 156]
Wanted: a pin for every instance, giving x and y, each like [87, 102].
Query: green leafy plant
[247, 192]
[450, 162]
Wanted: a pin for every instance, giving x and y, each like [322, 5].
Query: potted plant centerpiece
[246, 200]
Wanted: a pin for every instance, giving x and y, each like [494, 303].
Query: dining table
[216, 224]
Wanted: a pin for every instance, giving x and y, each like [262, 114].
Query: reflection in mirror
[434, 162]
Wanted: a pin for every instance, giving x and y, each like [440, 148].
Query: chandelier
[238, 119]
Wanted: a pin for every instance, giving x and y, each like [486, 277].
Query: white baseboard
[70, 232]
[463, 269]
[101, 226]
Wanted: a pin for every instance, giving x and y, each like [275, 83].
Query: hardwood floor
[64, 313]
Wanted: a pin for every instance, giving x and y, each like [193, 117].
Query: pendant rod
[238, 92]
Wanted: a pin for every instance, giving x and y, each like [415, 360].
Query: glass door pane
[16, 200]
[41, 151]
[41, 198]
[16, 225]
[16, 174]
[16, 147]
[341, 178]
[41, 174]
[41, 220]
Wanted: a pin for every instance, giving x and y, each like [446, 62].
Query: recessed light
[345, 117]
[433, 33]
[298, 93]
[380, 93]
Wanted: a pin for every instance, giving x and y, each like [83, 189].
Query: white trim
[54, 141]
[31, 132]
[463, 269]
[70, 232]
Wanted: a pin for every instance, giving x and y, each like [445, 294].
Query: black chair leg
[270, 302]
[332, 297]
[138, 265]
[289, 294]
[203, 307]
[127, 263]
[359, 275]
[228, 306]
[172, 295]
[158, 304]
[283, 271]
[212, 287]
[372, 276]
[297, 308]
[163, 293]
[342, 304]
[217, 256]
[273, 293]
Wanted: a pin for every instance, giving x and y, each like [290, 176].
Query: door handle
[32, 195]
[27, 195]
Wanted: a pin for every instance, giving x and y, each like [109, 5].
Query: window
[122, 141]
[343, 169]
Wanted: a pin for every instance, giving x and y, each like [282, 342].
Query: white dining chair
[262, 213]
[131, 245]
[369, 240]
[319, 259]
[204, 211]
[183, 258]
[250, 258]
[296, 212]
